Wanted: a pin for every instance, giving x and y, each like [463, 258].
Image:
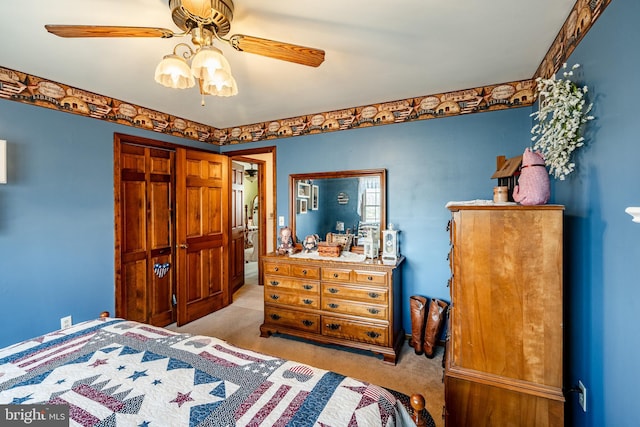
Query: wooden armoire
[504, 353]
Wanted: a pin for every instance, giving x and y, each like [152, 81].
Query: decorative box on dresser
[503, 358]
[353, 304]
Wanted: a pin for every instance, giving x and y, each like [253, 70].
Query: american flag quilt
[114, 372]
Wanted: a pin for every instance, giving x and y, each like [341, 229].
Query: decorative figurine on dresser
[285, 241]
[337, 294]
[504, 356]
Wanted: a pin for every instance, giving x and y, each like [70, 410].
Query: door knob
[183, 246]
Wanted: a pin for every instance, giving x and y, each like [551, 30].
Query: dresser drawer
[336, 274]
[292, 319]
[355, 331]
[277, 296]
[305, 271]
[371, 277]
[372, 311]
[371, 295]
[281, 282]
[277, 268]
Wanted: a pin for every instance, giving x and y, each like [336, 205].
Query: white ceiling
[375, 51]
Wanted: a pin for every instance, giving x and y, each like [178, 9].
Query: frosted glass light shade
[207, 61]
[174, 72]
[220, 84]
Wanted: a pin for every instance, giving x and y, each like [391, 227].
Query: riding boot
[434, 325]
[417, 307]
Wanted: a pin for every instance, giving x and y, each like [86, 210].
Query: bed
[114, 372]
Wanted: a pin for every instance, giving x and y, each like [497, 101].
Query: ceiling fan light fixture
[200, 8]
[251, 174]
[174, 72]
[220, 84]
[206, 61]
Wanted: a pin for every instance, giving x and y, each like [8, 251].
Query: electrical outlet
[582, 396]
[280, 221]
[65, 322]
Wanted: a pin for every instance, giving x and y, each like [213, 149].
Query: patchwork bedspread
[116, 372]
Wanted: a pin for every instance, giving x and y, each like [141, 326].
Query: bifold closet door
[144, 235]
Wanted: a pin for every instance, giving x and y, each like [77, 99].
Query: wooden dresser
[354, 304]
[503, 364]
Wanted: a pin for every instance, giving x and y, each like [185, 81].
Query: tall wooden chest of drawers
[354, 304]
[503, 364]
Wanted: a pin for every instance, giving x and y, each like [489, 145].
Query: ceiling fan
[205, 21]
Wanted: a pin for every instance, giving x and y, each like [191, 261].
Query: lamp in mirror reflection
[634, 212]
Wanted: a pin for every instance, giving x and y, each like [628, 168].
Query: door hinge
[174, 299]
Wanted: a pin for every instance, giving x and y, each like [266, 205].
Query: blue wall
[603, 256]
[56, 218]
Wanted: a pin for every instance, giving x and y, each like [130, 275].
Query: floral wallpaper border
[28, 89]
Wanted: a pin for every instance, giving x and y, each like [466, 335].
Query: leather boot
[434, 325]
[418, 307]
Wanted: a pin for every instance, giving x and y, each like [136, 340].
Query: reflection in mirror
[342, 202]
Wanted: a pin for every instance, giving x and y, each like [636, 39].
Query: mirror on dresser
[339, 202]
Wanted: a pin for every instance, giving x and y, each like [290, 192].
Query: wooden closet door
[144, 235]
[202, 220]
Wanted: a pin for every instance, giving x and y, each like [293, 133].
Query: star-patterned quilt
[114, 372]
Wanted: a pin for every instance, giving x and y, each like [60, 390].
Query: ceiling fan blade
[107, 31]
[278, 50]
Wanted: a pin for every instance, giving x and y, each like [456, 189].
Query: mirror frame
[380, 173]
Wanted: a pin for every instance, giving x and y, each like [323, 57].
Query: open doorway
[259, 207]
[250, 208]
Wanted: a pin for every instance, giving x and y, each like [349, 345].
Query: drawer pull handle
[304, 272]
[333, 305]
[335, 275]
[373, 295]
[369, 278]
[274, 297]
[333, 326]
[275, 268]
[333, 290]
[275, 317]
[307, 287]
[372, 334]
[307, 323]
[274, 283]
[307, 301]
[373, 310]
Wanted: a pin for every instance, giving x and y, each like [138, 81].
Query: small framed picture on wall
[304, 190]
[314, 197]
[302, 206]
